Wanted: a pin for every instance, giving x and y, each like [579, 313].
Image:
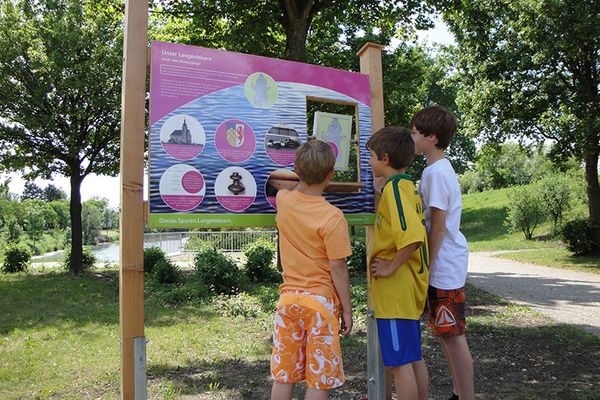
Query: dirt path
[566, 296]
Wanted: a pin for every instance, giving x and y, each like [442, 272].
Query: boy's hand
[346, 326]
[381, 268]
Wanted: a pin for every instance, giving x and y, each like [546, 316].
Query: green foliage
[11, 230]
[88, 259]
[357, 262]
[471, 182]
[218, 273]
[61, 208]
[267, 296]
[259, 261]
[241, 304]
[525, 210]
[581, 237]
[91, 221]
[53, 193]
[165, 272]
[152, 255]
[555, 194]
[16, 258]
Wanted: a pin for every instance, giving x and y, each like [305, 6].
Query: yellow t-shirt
[399, 222]
[311, 232]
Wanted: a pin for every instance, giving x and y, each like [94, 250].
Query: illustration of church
[181, 136]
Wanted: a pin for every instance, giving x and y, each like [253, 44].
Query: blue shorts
[399, 340]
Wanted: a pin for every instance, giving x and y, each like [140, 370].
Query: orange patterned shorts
[447, 311]
[306, 344]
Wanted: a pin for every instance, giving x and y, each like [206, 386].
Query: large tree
[60, 63]
[531, 68]
[285, 28]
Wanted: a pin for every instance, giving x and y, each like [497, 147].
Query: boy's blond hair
[314, 160]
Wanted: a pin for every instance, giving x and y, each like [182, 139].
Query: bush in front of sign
[219, 274]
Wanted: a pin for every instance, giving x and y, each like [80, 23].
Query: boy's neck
[434, 155]
[389, 172]
[312, 190]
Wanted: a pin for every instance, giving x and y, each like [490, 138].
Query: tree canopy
[60, 94]
[531, 69]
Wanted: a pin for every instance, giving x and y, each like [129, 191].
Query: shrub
[357, 261]
[241, 304]
[471, 182]
[16, 258]
[165, 271]
[555, 193]
[152, 255]
[88, 259]
[219, 273]
[525, 210]
[259, 261]
[581, 237]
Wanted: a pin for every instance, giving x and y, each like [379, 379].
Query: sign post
[131, 277]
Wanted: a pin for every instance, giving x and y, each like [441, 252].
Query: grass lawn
[59, 339]
[483, 224]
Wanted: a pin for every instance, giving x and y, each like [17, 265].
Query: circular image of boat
[279, 179]
[235, 189]
[281, 143]
[261, 90]
[182, 137]
[182, 187]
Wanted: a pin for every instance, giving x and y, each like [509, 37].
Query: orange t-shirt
[311, 232]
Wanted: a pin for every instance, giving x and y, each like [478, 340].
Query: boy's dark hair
[394, 141]
[314, 160]
[438, 121]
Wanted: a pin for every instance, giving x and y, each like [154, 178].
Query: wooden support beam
[131, 277]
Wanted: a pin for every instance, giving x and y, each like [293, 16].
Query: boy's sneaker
[453, 397]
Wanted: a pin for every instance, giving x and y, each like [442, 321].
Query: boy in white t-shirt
[432, 130]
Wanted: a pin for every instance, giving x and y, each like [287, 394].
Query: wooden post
[131, 279]
[370, 64]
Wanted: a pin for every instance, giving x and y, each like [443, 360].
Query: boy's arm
[436, 233]
[382, 268]
[341, 281]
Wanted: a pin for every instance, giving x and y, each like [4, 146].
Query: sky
[109, 187]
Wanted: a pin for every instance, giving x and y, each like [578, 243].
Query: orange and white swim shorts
[306, 344]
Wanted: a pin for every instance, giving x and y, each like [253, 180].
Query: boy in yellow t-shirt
[398, 266]
[313, 240]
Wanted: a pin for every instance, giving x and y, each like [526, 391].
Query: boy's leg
[405, 382]
[450, 365]
[316, 394]
[422, 377]
[459, 357]
[282, 391]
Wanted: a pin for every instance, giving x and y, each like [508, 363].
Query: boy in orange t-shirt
[314, 241]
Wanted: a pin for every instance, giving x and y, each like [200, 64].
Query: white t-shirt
[439, 188]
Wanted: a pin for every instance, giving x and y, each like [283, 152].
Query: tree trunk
[593, 190]
[296, 31]
[75, 262]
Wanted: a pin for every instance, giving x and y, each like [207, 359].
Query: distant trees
[60, 62]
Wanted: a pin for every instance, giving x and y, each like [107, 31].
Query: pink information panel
[224, 130]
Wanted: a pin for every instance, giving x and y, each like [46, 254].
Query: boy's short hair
[438, 121]
[314, 160]
[394, 141]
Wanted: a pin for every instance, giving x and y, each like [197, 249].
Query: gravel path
[565, 296]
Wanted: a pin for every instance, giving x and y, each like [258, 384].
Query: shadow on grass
[486, 223]
[59, 299]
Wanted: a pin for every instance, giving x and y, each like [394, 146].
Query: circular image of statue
[235, 141]
[279, 179]
[182, 137]
[281, 143]
[182, 187]
[235, 189]
[261, 90]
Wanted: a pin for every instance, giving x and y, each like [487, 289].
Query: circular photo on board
[281, 143]
[261, 90]
[235, 189]
[182, 187]
[235, 141]
[182, 137]
[279, 179]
